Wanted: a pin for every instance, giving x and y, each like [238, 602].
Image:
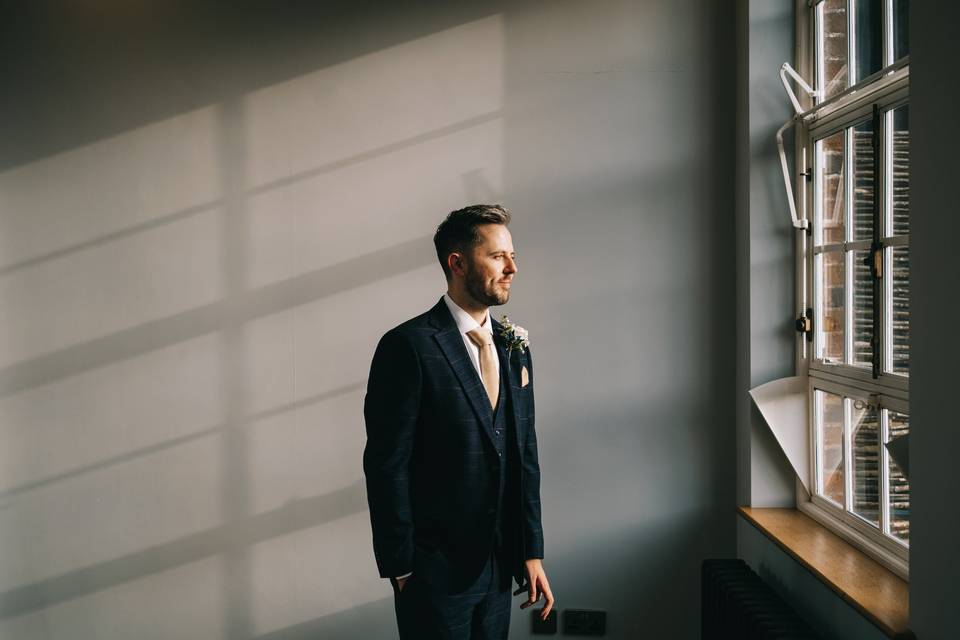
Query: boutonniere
[515, 336]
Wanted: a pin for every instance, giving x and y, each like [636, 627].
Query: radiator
[736, 603]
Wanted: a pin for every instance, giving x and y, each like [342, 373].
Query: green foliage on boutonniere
[516, 337]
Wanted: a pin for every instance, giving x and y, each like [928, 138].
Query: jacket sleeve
[532, 525]
[390, 410]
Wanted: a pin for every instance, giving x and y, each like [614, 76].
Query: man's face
[490, 266]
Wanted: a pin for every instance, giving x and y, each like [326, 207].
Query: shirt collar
[464, 320]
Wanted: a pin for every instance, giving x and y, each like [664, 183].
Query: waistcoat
[505, 443]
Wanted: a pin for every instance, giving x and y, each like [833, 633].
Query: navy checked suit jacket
[430, 463]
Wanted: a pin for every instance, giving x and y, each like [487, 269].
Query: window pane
[901, 170]
[900, 312]
[865, 467]
[901, 29]
[832, 306]
[834, 47]
[830, 440]
[868, 16]
[863, 188]
[862, 310]
[898, 424]
[831, 189]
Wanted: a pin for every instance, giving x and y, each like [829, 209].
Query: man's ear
[455, 263]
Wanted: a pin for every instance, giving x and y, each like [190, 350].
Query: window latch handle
[804, 324]
[874, 261]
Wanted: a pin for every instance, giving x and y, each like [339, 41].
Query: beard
[483, 293]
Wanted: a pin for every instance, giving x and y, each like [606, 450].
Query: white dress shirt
[465, 323]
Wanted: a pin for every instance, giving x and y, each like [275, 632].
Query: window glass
[831, 446]
[868, 28]
[898, 425]
[833, 47]
[862, 309]
[901, 29]
[901, 170]
[832, 216]
[899, 257]
[900, 309]
[863, 187]
[865, 461]
[832, 314]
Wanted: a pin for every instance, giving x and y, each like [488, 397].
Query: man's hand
[537, 586]
[401, 582]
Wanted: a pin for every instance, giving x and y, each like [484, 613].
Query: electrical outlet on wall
[584, 622]
[544, 627]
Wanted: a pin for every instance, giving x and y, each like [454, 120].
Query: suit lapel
[451, 344]
[511, 375]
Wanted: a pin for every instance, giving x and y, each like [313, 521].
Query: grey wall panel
[934, 306]
[765, 251]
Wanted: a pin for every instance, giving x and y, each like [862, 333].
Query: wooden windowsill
[873, 590]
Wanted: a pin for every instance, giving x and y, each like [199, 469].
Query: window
[854, 171]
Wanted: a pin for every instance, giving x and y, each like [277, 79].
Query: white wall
[207, 220]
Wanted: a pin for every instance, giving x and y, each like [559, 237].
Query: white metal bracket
[785, 70]
[799, 222]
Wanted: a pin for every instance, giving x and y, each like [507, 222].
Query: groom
[453, 480]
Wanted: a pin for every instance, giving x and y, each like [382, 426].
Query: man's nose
[511, 266]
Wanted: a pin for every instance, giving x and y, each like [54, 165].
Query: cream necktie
[488, 367]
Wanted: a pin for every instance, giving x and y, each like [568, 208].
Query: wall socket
[584, 622]
[544, 627]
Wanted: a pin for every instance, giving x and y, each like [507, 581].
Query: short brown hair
[458, 232]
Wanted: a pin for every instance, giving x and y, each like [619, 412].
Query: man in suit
[453, 479]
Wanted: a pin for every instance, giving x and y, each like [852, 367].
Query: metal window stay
[799, 222]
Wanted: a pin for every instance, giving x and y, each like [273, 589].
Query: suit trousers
[481, 612]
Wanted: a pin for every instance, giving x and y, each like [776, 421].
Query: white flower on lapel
[515, 336]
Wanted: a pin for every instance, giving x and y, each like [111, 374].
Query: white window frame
[889, 89]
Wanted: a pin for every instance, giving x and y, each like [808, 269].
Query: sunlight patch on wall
[193, 606]
[312, 573]
[105, 289]
[312, 452]
[374, 100]
[370, 205]
[102, 415]
[84, 194]
[110, 513]
[373, 152]
[336, 336]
